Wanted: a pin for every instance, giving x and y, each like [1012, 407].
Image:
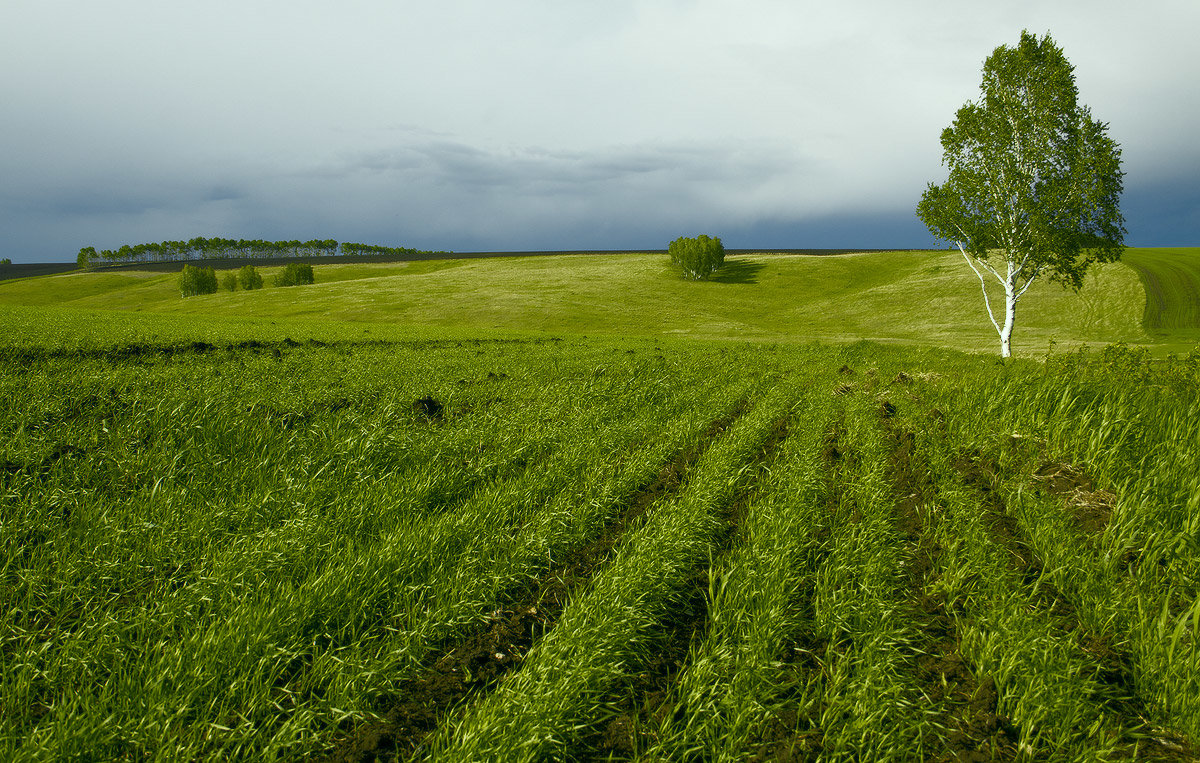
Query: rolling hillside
[1171, 278]
[907, 297]
[454, 526]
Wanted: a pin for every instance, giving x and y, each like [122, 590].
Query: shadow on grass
[737, 271]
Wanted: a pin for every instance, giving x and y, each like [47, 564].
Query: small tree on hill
[87, 255]
[1034, 180]
[294, 274]
[249, 279]
[699, 257]
[229, 281]
[194, 280]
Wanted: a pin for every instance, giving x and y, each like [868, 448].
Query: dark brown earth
[792, 735]
[22, 358]
[1092, 509]
[428, 408]
[975, 730]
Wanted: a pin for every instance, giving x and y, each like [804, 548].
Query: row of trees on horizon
[226, 248]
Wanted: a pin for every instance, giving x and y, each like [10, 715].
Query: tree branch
[983, 285]
[1032, 278]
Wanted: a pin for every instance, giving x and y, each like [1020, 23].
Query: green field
[544, 523]
[1171, 278]
[928, 298]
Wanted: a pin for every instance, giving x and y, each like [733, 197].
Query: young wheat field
[271, 538]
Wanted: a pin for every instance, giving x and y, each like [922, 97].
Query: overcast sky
[546, 124]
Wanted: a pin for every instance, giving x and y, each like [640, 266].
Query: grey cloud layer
[451, 163]
[468, 124]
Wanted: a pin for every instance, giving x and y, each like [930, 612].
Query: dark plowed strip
[475, 664]
[840, 458]
[138, 351]
[649, 695]
[982, 474]
[1113, 668]
[968, 708]
[792, 735]
[832, 450]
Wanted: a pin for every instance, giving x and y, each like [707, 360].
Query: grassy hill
[471, 520]
[1171, 278]
[908, 297]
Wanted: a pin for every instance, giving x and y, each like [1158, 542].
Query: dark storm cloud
[475, 125]
[451, 163]
[1164, 213]
[90, 202]
[119, 197]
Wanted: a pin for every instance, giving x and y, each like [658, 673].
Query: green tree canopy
[699, 257]
[1034, 182]
[194, 281]
[249, 279]
[294, 274]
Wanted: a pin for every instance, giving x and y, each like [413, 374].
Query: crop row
[563, 550]
[876, 596]
[198, 549]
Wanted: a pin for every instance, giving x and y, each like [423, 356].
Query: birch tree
[699, 257]
[1034, 182]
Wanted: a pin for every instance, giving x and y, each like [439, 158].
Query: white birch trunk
[1011, 294]
[1010, 315]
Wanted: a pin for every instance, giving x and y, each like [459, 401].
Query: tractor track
[650, 693]
[473, 665]
[1112, 667]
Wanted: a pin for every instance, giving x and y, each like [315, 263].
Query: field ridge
[469, 667]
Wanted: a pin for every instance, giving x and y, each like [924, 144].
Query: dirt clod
[1091, 508]
[428, 408]
[1062, 479]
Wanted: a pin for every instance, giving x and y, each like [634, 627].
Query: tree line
[195, 280]
[226, 248]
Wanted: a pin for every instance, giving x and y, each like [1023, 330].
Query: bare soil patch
[975, 730]
[1091, 508]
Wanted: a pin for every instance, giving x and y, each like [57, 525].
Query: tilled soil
[975, 730]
